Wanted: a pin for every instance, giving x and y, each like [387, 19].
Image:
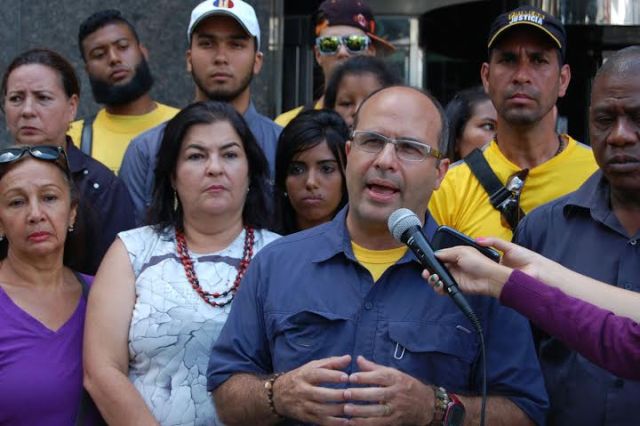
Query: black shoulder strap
[86, 139]
[488, 179]
[309, 106]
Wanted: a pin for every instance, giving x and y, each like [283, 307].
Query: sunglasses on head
[354, 43]
[54, 154]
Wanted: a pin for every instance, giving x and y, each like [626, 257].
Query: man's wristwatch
[449, 410]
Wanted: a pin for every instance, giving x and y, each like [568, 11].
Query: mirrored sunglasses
[55, 154]
[354, 43]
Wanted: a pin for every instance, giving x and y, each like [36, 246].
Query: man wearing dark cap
[528, 163]
[344, 28]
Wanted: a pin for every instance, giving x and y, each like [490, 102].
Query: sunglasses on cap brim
[354, 43]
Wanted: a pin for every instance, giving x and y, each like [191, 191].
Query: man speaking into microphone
[334, 325]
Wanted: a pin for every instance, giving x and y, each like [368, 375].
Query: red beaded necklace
[187, 262]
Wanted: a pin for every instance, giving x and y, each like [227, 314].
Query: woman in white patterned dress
[163, 292]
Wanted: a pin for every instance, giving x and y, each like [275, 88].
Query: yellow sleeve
[443, 203]
[75, 132]
[284, 118]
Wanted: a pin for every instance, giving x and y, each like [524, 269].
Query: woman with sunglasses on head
[310, 161]
[597, 320]
[40, 98]
[354, 80]
[164, 291]
[472, 122]
[42, 301]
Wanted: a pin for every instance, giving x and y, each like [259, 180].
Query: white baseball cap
[237, 9]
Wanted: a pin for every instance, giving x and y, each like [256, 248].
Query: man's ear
[316, 53]
[442, 167]
[484, 75]
[187, 58]
[257, 63]
[144, 51]
[565, 78]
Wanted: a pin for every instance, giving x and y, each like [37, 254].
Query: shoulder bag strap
[489, 181]
[86, 139]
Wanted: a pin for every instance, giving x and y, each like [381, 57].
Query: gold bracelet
[268, 385]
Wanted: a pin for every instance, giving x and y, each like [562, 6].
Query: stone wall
[161, 25]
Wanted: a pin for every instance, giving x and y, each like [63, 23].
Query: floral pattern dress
[172, 329]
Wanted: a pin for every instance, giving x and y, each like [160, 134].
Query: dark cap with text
[533, 17]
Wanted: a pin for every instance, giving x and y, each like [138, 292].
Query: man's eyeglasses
[510, 207]
[55, 154]
[354, 43]
[406, 150]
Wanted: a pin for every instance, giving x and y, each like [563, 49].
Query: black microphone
[405, 227]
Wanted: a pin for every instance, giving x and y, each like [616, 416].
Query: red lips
[381, 191]
[38, 236]
[215, 188]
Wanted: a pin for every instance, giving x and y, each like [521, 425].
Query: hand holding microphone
[406, 228]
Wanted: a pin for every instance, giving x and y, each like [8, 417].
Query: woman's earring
[175, 200]
[71, 228]
[1, 237]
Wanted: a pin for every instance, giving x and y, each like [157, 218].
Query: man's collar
[251, 112]
[339, 240]
[77, 160]
[592, 195]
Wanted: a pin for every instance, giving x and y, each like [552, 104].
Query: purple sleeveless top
[40, 370]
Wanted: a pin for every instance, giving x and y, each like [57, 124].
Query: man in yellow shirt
[524, 76]
[343, 28]
[116, 63]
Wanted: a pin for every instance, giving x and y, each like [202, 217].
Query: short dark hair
[164, 214]
[619, 61]
[50, 59]
[100, 19]
[75, 243]
[306, 130]
[458, 111]
[359, 65]
[444, 132]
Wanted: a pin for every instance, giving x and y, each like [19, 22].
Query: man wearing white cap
[223, 56]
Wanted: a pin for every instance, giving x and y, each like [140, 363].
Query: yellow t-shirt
[377, 261]
[112, 133]
[284, 118]
[462, 203]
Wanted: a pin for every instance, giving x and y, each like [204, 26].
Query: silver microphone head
[401, 220]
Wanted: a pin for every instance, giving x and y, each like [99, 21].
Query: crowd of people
[209, 265]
